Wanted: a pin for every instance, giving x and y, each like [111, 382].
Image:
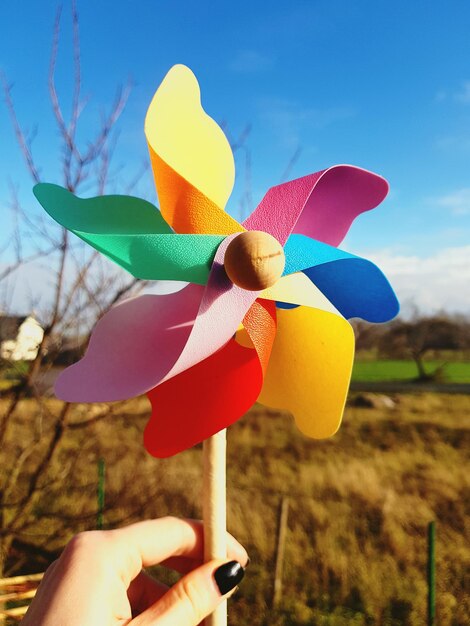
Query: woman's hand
[99, 578]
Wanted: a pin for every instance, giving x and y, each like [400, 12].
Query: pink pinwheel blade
[222, 309]
[147, 340]
[322, 205]
[132, 347]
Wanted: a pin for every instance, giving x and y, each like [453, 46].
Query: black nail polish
[228, 575]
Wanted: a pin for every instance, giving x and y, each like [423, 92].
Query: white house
[20, 337]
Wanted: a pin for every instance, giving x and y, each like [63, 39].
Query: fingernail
[248, 561]
[228, 575]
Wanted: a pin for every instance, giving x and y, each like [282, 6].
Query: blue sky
[382, 85]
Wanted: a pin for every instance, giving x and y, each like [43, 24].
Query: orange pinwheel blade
[191, 158]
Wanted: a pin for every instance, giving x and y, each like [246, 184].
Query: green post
[100, 493]
[431, 573]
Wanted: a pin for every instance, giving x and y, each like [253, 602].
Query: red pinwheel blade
[214, 393]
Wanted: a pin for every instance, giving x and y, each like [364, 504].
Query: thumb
[194, 597]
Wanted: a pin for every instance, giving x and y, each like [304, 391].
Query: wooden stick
[215, 510]
[100, 494]
[18, 595]
[17, 580]
[18, 612]
[281, 541]
[431, 573]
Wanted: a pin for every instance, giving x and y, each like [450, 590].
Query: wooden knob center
[254, 260]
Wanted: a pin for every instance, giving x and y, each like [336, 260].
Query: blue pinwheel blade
[355, 286]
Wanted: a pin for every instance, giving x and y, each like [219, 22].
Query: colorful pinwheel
[205, 354]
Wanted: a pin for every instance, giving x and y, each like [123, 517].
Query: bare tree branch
[23, 143]
[292, 161]
[83, 289]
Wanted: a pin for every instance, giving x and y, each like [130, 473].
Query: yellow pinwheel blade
[191, 158]
[310, 369]
[298, 289]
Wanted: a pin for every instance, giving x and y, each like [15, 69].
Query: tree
[84, 288]
[37, 459]
[418, 337]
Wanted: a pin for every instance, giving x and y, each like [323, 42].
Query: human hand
[99, 578]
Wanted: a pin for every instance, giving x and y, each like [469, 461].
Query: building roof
[9, 326]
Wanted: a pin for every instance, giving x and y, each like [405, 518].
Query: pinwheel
[264, 316]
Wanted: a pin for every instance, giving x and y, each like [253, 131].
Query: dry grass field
[359, 505]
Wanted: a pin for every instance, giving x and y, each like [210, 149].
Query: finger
[184, 564]
[181, 564]
[195, 596]
[151, 542]
[49, 571]
[143, 592]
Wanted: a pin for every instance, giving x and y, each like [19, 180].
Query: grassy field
[359, 505]
[391, 370]
[452, 368]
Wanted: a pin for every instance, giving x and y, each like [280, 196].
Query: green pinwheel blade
[132, 233]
